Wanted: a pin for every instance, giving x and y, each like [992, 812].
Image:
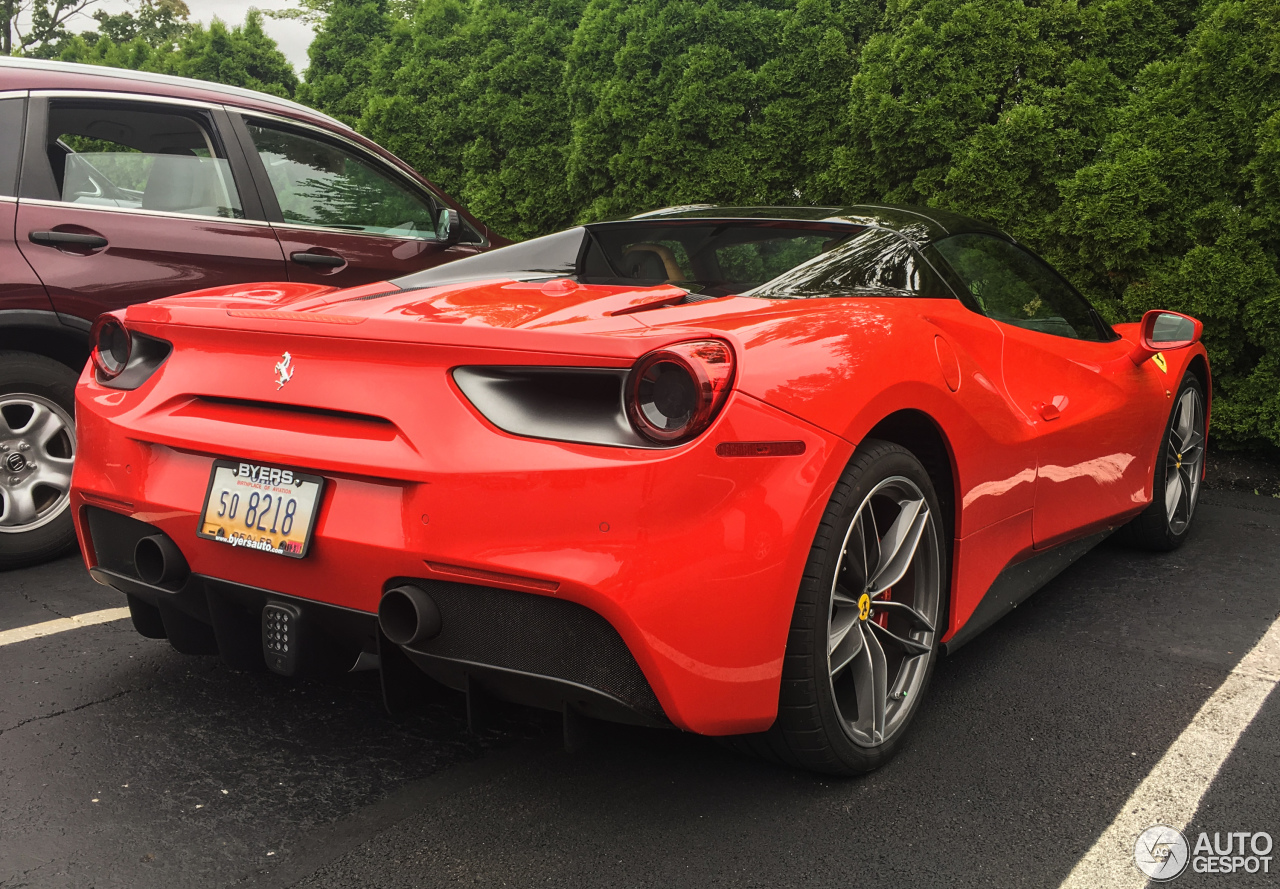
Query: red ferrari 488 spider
[741, 471]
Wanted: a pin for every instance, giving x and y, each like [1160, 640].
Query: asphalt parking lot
[126, 764]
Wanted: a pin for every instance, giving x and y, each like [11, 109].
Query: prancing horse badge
[284, 371]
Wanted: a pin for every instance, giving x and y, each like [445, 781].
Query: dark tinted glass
[707, 258]
[10, 145]
[874, 262]
[1010, 285]
[710, 257]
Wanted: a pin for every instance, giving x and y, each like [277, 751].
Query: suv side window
[318, 182]
[1010, 285]
[138, 158]
[11, 114]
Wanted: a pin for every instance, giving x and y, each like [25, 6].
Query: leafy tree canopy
[158, 23]
[240, 56]
[472, 95]
[342, 56]
[37, 27]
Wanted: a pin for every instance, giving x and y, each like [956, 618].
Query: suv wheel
[37, 448]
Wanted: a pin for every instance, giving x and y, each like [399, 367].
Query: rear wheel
[37, 448]
[1164, 525]
[864, 634]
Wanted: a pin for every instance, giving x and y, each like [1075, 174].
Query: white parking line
[1171, 793]
[61, 625]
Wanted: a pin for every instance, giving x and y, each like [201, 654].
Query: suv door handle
[53, 239]
[317, 259]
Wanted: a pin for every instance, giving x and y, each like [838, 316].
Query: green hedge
[1134, 143]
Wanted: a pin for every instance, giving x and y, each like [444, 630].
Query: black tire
[51, 533]
[1156, 528]
[812, 731]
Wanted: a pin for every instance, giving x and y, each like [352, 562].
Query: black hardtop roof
[921, 224]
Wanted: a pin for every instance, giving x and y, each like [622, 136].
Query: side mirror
[1161, 331]
[449, 227]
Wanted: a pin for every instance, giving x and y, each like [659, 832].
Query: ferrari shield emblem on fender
[284, 370]
[1156, 359]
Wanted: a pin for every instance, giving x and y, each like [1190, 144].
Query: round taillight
[674, 393]
[111, 346]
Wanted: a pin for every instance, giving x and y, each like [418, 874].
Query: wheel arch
[1199, 365]
[921, 434]
[44, 333]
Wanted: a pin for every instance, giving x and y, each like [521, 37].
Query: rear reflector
[760, 448]
[531, 583]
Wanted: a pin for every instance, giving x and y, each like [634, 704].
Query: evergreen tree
[342, 56]
[662, 95]
[985, 105]
[240, 56]
[472, 95]
[1182, 210]
[802, 91]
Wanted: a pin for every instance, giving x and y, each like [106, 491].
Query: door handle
[317, 259]
[55, 238]
[1047, 411]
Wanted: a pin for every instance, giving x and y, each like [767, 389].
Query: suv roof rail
[106, 73]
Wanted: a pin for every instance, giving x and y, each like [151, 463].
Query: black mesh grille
[536, 634]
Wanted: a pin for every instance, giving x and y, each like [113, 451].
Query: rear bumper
[530, 649]
[689, 560]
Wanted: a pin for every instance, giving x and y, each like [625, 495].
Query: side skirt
[1018, 581]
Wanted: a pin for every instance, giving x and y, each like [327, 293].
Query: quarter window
[318, 183]
[139, 159]
[1012, 286]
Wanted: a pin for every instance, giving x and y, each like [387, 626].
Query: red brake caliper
[882, 618]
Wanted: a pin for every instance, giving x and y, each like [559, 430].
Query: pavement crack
[64, 712]
[22, 591]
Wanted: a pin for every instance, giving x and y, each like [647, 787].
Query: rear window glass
[713, 257]
[783, 259]
[874, 262]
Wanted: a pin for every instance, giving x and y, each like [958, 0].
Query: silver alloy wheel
[37, 450]
[1184, 461]
[885, 601]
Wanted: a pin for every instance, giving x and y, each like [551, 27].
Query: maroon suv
[118, 187]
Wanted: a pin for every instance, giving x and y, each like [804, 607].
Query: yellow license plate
[265, 508]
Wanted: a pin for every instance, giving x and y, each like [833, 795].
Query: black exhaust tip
[159, 562]
[408, 615]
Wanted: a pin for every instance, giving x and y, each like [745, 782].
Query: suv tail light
[673, 393]
[111, 346]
